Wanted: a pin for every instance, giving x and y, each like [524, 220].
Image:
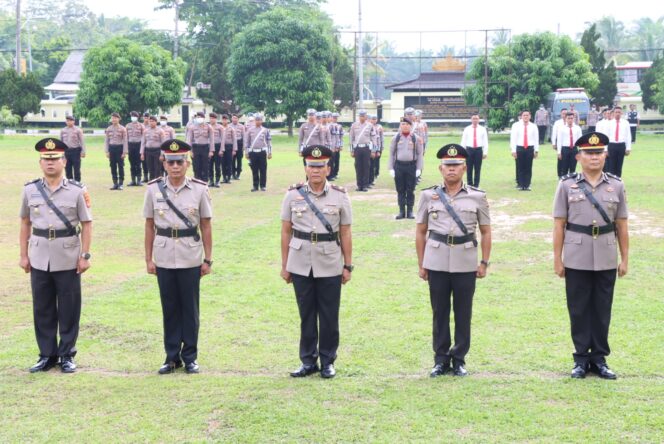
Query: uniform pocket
[573, 238]
[331, 248]
[159, 241]
[71, 243]
[295, 243]
[433, 243]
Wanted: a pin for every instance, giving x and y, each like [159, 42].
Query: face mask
[163, 122]
[199, 120]
[134, 119]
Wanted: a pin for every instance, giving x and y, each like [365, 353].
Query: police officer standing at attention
[524, 141]
[116, 148]
[215, 160]
[634, 120]
[620, 142]
[566, 145]
[362, 134]
[55, 255]
[144, 163]
[542, 122]
[379, 143]
[135, 130]
[240, 131]
[151, 142]
[312, 132]
[229, 142]
[405, 165]
[592, 119]
[476, 141]
[169, 131]
[178, 249]
[201, 139]
[337, 140]
[72, 136]
[448, 218]
[316, 257]
[259, 148]
[590, 215]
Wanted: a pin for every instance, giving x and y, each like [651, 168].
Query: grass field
[518, 389]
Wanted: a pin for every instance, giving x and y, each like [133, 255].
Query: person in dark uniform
[54, 242]
[178, 249]
[72, 136]
[405, 162]
[634, 120]
[590, 219]
[316, 257]
[448, 218]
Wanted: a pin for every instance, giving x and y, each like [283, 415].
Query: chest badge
[161, 213]
[610, 189]
[435, 215]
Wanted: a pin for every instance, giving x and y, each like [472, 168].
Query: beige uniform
[380, 137]
[202, 134]
[258, 139]
[583, 251]
[116, 135]
[406, 151]
[62, 253]
[362, 134]
[152, 138]
[217, 131]
[135, 132]
[240, 131]
[473, 209]
[169, 132]
[192, 198]
[228, 137]
[73, 137]
[313, 134]
[324, 258]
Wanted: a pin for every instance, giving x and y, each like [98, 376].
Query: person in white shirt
[476, 142]
[524, 142]
[566, 145]
[554, 134]
[516, 164]
[620, 142]
[601, 125]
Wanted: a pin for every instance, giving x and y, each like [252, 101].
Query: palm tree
[649, 37]
[613, 36]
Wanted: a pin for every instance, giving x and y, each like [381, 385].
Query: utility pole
[18, 36]
[360, 55]
[177, 16]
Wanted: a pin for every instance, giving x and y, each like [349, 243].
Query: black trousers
[332, 164]
[152, 158]
[258, 168]
[179, 289]
[541, 129]
[376, 164]
[589, 300]
[461, 286]
[56, 306]
[201, 153]
[318, 301]
[135, 159]
[632, 129]
[567, 160]
[215, 164]
[73, 168]
[362, 165]
[116, 162]
[614, 163]
[474, 164]
[227, 162]
[405, 180]
[337, 162]
[146, 171]
[237, 160]
[372, 164]
[524, 158]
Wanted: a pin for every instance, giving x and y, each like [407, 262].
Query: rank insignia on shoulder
[569, 176]
[155, 180]
[296, 186]
[338, 188]
[193, 179]
[76, 183]
[613, 176]
[32, 181]
[432, 187]
[475, 189]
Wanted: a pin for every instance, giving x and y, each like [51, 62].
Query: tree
[613, 35]
[279, 63]
[606, 89]
[652, 85]
[649, 37]
[123, 76]
[521, 76]
[20, 93]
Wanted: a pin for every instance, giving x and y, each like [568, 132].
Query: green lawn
[518, 388]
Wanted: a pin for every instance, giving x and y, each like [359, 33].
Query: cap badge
[452, 152]
[50, 145]
[316, 152]
[174, 146]
[594, 140]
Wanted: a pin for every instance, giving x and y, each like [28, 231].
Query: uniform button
[594, 222]
[50, 211]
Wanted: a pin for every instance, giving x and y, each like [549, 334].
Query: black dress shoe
[169, 367]
[579, 371]
[440, 369]
[328, 371]
[305, 370]
[263, 189]
[67, 365]
[191, 367]
[603, 371]
[254, 189]
[409, 215]
[400, 216]
[459, 370]
[43, 365]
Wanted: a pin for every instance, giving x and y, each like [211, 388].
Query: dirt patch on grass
[642, 223]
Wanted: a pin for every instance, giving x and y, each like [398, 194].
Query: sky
[436, 15]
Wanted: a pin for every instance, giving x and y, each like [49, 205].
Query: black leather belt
[452, 240]
[406, 163]
[50, 233]
[316, 237]
[591, 230]
[177, 233]
[526, 147]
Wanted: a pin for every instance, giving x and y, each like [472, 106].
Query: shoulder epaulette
[475, 189]
[569, 176]
[613, 176]
[75, 183]
[295, 186]
[338, 188]
[202, 182]
[155, 180]
[433, 187]
[32, 181]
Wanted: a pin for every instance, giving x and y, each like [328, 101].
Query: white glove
[418, 173]
[392, 173]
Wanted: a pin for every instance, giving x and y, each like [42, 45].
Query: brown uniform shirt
[473, 209]
[192, 198]
[582, 251]
[313, 134]
[73, 137]
[258, 139]
[406, 151]
[152, 138]
[324, 258]
[217, 131]
[169, 132]
[62, 253]
[362, 134]
[135, 132]
[240, 131]
[202, 134]
[228, 137]
[116, 135]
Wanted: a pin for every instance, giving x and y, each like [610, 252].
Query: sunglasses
[173, 162]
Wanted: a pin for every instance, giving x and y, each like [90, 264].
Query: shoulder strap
[594, 202]
[451, 211]
[52, 206]
[178, 213]
[317, 212]
[256, 139]
[311, 134]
